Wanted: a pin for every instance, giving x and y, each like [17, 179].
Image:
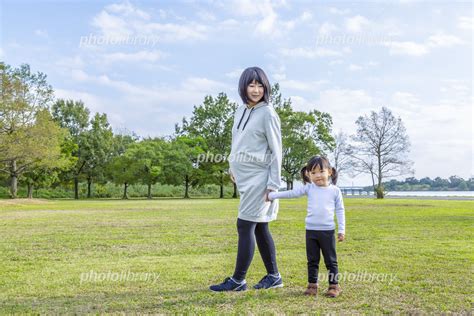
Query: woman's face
[255, 92]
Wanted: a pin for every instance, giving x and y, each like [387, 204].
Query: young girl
[255, 166]
[324, 199]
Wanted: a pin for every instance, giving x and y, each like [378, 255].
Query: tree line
[48, 142]
[453, 183]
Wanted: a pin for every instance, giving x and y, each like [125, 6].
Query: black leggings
[318, 241]
[248, 232]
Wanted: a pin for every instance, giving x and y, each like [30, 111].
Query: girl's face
[320, 177]
[255, 92]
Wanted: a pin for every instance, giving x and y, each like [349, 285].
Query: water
[426, 193]
[432, 193]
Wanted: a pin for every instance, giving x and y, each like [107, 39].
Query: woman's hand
[231, 176]
[340, 237]
[267, 192]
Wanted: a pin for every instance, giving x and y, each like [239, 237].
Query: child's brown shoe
[334, 290]
[312, 289]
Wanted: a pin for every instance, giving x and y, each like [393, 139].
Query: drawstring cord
[245, 110]
[248, 118]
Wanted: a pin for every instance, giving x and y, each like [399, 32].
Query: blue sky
[344, 58]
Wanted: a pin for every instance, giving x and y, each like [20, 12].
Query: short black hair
[248, 76]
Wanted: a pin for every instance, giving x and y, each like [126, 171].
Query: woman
[255, 166]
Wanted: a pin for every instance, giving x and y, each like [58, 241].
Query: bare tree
[341, 153]
[380, 148]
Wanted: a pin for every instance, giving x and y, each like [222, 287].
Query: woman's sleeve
[273, 135]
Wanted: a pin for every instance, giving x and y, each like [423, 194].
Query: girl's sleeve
[290, 194]
[340, 213]
[273, 135]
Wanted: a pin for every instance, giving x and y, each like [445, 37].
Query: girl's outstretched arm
[290, 194]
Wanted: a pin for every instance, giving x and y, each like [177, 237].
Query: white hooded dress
[255, 160]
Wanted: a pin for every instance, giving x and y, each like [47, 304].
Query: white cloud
[405, 100]
[266, 22]
[279, 76]
[354, 67]
[190, 87]
[437, 40]
[206, 15]
[91, 101]
[205, 85]
[301, 104]
[229, 24]
[356, 23]
[160, 107]
[407, 48]
[127, 9]
[111, 26]
[440, 129]
[267, 26]
[305, 16]
[41, 33]
[310, 52]
[443, 40]
[234, 73]
[140, 56]
[263, 19]
[466, 23]
[299, 85]
[123, 21]
[327, 29]
[339, 11]
[335, 62]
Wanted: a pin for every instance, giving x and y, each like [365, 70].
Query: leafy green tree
[99, 139]
[212, 121]
[74, 116]
[123, 168]
[45, 175]
[181, 162]
[148, 154]
[28, 135]
[426, 181]
[440, 184]
[455, 181]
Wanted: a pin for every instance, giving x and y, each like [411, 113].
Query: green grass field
[160, 256]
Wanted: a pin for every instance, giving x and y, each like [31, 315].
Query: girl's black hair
[248, 76]
[322, 163]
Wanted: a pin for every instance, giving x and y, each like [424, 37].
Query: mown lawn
[49, 248]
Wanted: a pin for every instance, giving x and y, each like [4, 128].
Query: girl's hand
[231, 176]
[340, 237]
[267, 198]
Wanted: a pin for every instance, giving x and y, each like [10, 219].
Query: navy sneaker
[269, 282]
[229, 285]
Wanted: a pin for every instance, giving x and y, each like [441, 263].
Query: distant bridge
[355, 191]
